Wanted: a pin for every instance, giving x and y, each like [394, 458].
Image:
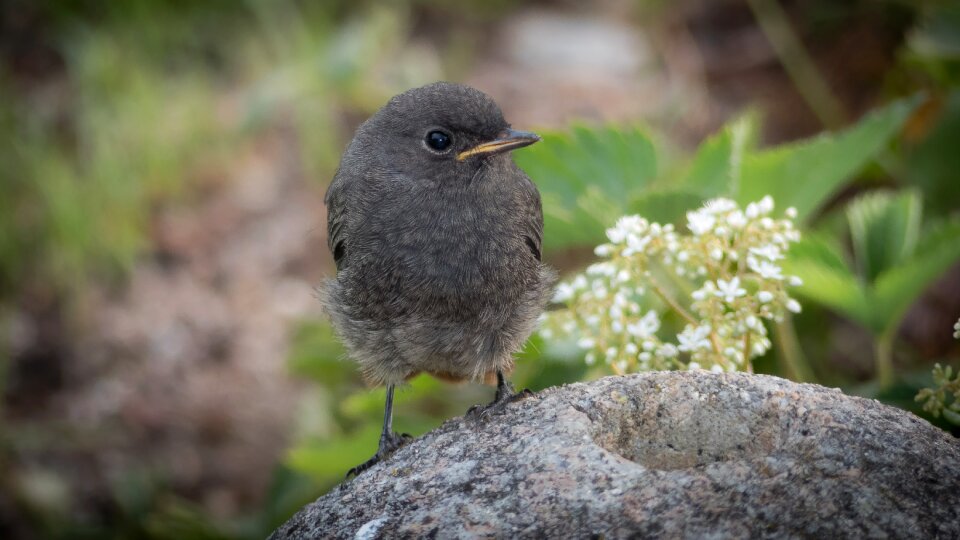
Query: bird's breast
[454, 256]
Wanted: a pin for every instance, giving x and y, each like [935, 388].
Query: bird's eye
[438, 140]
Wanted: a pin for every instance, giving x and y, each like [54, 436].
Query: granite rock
[667, 454]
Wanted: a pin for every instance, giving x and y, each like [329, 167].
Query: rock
[668, 454]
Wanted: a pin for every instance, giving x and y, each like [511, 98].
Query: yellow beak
[508, 140]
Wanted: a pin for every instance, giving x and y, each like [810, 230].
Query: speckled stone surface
[666, 455]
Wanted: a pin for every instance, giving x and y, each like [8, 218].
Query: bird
[437, 238]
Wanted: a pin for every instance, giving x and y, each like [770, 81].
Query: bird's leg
[505, 395]
[389, 441]
[505, 391]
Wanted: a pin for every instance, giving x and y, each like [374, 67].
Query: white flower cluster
[721, 281]
[956, 330]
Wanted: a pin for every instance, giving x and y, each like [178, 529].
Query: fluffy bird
[437, 237]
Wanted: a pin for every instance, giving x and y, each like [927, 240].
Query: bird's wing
[336, 216]
[533, 220]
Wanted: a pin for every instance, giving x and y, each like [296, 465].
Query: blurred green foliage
[90, 211]
[585, 177]
[590, 176]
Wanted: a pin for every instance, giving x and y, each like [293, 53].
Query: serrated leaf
[715, 169]
[883, 227]
[827, 279]
[823, 250]
[898, 288]
[807, 173]
[665, 207]
[599, 209]
[586, 178]
[563, 224]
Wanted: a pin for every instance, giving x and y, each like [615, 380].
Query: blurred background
[165, 369]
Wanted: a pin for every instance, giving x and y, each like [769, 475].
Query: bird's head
[442, 130]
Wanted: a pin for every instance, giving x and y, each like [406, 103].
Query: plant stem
[716, 348]
[797, 63]
[668, 300]
[884, 360]
[748, 364]
[795, 364]
[654, 266]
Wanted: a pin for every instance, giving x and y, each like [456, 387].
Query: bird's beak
[509, 139]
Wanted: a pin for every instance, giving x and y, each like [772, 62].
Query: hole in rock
[680, 434]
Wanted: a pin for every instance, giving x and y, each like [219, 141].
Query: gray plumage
[438, 258]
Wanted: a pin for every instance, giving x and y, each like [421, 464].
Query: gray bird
[437, 237]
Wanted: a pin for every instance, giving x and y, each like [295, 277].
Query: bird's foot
[505, 396]
[388, 445]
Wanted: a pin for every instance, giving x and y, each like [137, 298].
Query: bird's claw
[388, 445]
[504, 397]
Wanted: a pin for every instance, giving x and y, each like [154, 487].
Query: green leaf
[822, 249]
[564, 224]
[827, 279]
[665, 207]
[897, 288]
[807, 173]
[715, 169]
[586, 178]
[596, 208]
[881, 304]
[884, 228]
